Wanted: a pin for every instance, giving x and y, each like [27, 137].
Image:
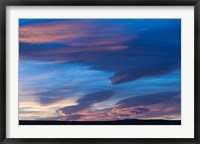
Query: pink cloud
[52, 32]
[156, 111]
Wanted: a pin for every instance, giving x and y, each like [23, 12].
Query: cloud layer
[111, 68]
[147, 106]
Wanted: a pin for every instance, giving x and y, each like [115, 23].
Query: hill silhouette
[116, 122]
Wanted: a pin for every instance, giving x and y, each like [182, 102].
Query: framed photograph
[92, 71]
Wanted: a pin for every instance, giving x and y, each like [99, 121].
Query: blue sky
[99, 69]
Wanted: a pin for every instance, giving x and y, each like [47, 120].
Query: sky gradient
[99, 69]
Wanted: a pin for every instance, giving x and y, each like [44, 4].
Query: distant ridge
[117, 122]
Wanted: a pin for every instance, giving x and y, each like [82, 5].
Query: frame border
[4, 3]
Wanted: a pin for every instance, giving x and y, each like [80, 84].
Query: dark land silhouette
[117, 122]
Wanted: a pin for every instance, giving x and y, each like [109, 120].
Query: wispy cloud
[86, 102]
[31, 109]
[130, 53]
[148, 106]
[51, 32]
[112, 68]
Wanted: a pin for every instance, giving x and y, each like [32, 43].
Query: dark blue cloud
[96, 97]
[87, 101]
[152, 47]
[150, 70]
[149, 99]
[140, 110]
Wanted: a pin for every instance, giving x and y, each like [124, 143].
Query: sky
[99, 69]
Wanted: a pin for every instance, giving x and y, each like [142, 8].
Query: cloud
[96, 97]
[164, 105]
[98, 61]
[145, 108]
[74, 117]
[51, 32]
[149, 99]
[86, 102]
[140, 110]
[132, 49]
[46, 96]
[143, 72]
[31, 109]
